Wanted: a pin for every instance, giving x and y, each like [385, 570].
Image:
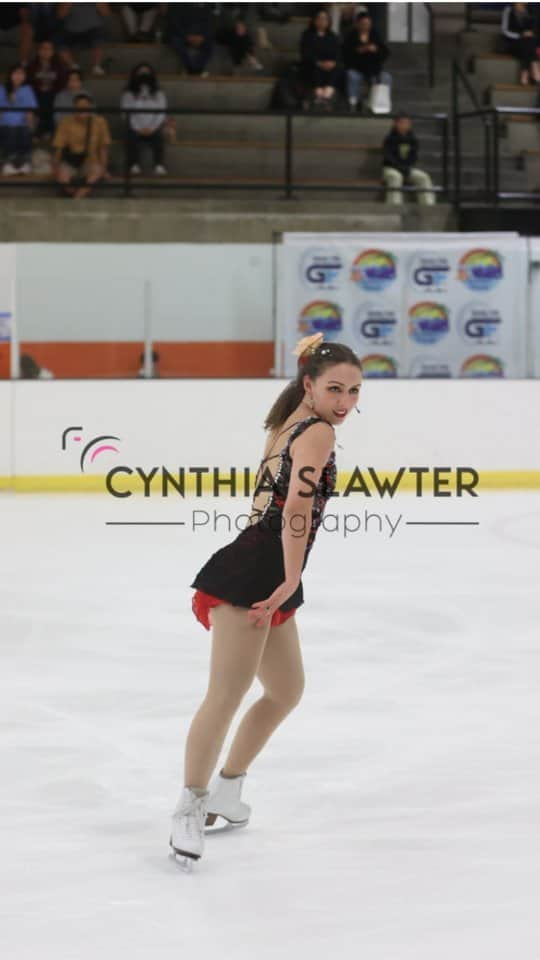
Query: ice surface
[396, 812]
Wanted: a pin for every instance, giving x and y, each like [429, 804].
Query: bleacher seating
[216, 149]
[495, 76]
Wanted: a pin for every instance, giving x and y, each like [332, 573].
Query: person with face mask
[143, 93]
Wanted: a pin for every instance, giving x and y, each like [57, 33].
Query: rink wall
[66, 436]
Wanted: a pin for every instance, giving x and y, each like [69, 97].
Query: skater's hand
[261, 612]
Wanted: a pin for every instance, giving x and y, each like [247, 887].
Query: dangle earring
[358, 410]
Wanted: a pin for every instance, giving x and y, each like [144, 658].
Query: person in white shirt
[142, 93]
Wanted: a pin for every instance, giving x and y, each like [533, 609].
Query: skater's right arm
[310, 452]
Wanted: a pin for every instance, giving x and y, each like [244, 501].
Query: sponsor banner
[410, 305]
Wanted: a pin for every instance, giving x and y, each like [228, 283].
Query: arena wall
[488, 426]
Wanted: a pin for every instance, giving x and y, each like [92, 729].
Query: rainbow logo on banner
[321, 316]
[428, 322]
[374, 270]
[480, 269]
[482, 365]
[378, 365]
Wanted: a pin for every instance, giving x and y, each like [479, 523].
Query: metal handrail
[456, 66]
[490, 163]
[288, 182]
[495, 112]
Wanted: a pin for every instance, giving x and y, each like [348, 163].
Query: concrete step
[285, 36]
[523, 134]
[250, 159]
[233, 93]
[202, 215]
[120, 58]
[448, 18]
[491, 69]
[473, 42]
[531, 159]
[307, 129]
[512, 95]
[364, 190]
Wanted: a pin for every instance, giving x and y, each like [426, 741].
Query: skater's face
[334, 392]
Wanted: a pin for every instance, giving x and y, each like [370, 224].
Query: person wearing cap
[400, 154]
[81, 145]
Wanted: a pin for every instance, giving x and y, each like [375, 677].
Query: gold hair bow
[308, 344]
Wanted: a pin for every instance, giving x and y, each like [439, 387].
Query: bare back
[270, 464]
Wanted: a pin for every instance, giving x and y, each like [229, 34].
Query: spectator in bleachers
[81, 144]
[400, 154]
[47, 75]
[364, 54]
[64, 99]
[16, 127]
[319, 48]
[518, 29]
[191, 32]
[44, 22]
[82, 26]
[140, 20]
[16, 20]
[275, 12]
[239, 43]
[343, 15]
[143, 93]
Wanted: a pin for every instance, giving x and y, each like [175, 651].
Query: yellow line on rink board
[489, 480]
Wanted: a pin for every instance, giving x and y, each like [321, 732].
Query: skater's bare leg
[281, 673]
[237, 647]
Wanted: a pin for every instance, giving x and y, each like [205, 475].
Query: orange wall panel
[206, 359]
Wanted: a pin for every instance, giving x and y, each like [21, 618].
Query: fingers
[260, 613]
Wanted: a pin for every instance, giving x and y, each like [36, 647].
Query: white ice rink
[396, 812]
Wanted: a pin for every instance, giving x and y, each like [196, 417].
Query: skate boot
[187, 827]
[224, 801]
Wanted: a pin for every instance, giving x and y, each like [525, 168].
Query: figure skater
[250, 590]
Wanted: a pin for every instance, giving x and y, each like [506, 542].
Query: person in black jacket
[191, 33]
[518, 30]
[400, 153]
[364, 54]
[321, 69]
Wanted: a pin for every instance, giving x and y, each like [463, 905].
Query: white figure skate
[224, 801]
[187, 828]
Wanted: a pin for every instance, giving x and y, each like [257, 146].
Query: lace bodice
[268, 502]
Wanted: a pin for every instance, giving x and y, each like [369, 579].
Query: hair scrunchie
[306, 346]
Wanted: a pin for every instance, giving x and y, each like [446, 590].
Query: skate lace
[193, 811]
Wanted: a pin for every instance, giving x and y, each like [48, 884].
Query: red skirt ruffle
[202, 602]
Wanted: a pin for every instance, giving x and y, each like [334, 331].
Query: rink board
[67, 436]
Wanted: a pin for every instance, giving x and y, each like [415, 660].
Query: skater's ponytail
[314, 357]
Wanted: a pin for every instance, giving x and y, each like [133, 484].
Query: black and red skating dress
[252, 566]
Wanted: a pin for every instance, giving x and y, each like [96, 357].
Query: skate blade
[224, 827]
[185, 863]
[183, 858]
